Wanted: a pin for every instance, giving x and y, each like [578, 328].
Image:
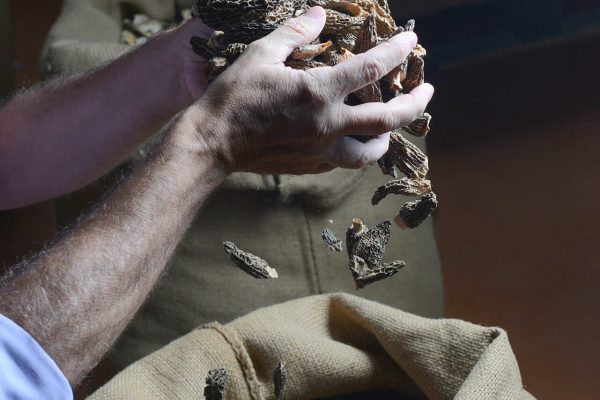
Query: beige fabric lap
[332, 345]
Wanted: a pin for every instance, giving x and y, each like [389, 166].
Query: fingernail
[315, 13]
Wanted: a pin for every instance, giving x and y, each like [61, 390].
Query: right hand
[268, 118]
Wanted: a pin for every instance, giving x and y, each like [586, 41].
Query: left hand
[193, 67]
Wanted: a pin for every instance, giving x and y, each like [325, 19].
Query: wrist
[203, 136]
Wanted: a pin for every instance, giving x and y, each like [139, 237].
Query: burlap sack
[279, 218]
[332, 345]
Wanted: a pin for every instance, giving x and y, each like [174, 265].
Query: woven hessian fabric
[332, 345]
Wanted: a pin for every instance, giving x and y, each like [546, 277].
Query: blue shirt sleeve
[26, 371]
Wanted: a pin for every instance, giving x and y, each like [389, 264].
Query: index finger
[366, 68]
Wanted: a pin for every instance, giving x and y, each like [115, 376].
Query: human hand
[192, 66]
[269, 118]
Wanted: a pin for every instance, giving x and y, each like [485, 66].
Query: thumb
[280, 43]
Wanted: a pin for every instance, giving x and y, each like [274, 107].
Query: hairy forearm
[65, 134]
[76, 297]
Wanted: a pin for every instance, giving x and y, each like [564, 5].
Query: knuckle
[311, 94]
[385, 122]
[361, 161]
[373, 69]
[296, 26]
[255, 47]
[420, 105]
[323, 129]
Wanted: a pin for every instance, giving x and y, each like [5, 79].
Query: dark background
[515, 161]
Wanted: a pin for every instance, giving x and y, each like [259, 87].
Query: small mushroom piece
[409, 159]
[201, 47]
[309, 51]
[396, 76]
[420, 126]
[377, 274]
[387, 93]
[404, 186]
[331, 240]
[387, 165]
[384, 5]
[331, 57]
[370, 93]
[340, 24]
[386, 26]
[345, 7]
[186, 14]
[128, 37]
[366, 248]
[344, 55]
[415, 73]
[215, 384]
[367, 244]
[371, 245]
[419, 51]
[233, 51]
[304, 64]
[215, 67]
[346, 42]
[216, 39]
[279, 380]
[413, 213]
[249, 263]
[367, 37]
[350, 8]
[149, 27]
[353, 234]
[144, 25]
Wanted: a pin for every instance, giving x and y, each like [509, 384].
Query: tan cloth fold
[332, 345]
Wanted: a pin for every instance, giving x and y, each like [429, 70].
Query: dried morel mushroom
[407, 157]
[279, 380]
[387, 165]
[404, 186]
[215, 384]
[366, 248]
[413, 213]
[368, 244]
[420, 126]
[415, 73]
[249, 263]
[363, 276]
[332, 242]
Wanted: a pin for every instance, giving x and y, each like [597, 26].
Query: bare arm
[62, 136]
[77, 297]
